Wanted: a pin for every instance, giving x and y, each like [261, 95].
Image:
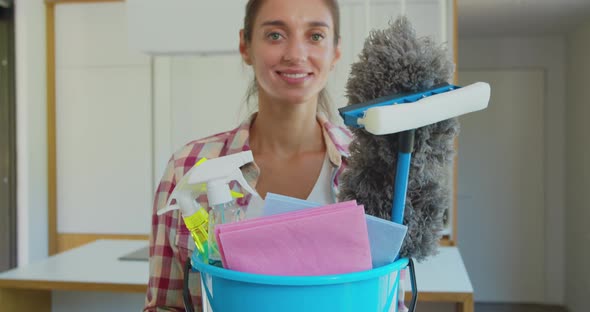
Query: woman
[292, 46]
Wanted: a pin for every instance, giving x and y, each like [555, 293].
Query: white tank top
[321, 192]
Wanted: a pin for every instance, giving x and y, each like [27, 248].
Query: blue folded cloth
[385, 238]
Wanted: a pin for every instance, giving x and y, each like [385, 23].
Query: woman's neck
[286, 130]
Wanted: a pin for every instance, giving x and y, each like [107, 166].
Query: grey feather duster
[394, 61]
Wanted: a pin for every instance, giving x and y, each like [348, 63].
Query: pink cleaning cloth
[275, 218]
[284, 216]
[323, 241]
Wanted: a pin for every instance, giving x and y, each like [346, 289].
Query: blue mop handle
[406, 145]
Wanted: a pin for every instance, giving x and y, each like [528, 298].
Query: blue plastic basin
[366, 291]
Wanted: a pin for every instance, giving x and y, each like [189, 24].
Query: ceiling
[520, 17]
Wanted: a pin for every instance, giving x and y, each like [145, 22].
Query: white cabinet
[184, 26]
[103, 123]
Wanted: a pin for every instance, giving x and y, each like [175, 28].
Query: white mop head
[400, 117]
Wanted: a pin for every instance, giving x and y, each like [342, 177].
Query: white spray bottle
[218, 173]
[195, 217]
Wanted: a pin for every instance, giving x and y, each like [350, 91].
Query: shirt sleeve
[164, 291]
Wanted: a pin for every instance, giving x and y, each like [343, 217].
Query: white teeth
[295, 76]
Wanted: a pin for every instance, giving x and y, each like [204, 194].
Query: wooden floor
[499, 307]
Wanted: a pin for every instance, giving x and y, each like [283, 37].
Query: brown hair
[252, 8]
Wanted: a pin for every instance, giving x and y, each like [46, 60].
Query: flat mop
[400, 103]
[403, 114]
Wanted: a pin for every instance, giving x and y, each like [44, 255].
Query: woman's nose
[296, 51]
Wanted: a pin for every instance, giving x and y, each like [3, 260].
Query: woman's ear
[244, 49]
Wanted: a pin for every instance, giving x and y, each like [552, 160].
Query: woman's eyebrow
[318, 24]
[274, 23]
[283, 24]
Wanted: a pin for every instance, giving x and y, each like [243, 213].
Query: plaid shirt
[170, 241]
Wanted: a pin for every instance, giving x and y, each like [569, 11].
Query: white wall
[31, 131]
[577, 229]
[548, 54]
[500, 184]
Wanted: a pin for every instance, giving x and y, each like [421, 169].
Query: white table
[92, 267]
[443, 278]
[95, 267]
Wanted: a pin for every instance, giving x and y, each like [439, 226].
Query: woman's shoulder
[208, 147]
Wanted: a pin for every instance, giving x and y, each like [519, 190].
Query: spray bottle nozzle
[184, 192]
[218, 172]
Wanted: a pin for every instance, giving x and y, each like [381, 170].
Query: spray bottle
[195, 217]
[218, 173]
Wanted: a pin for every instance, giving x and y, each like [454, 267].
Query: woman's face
[292, 49]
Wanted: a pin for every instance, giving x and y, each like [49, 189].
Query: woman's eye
[317, 37]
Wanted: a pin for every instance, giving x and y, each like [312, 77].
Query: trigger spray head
[219, 172]
[184, 194]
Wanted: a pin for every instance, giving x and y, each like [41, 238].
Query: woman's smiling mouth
[294, 77]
